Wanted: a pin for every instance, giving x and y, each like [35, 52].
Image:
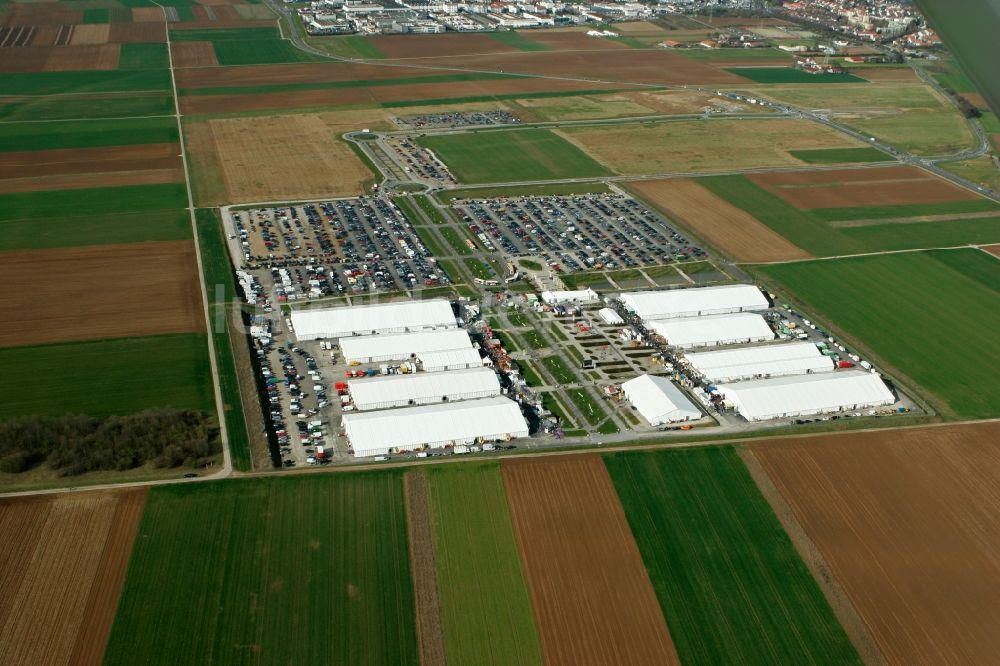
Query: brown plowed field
[574, 41]
[430, 632]
[31, 59]
[147, 14]
[625, 65]
[140, 173]
[909, 523]
[193, 54]
[70, 58]
[993, 249]
[280, 157]
[426, 91]
[40, 15]
[268, 75]
[222, 23]
[138, 32]
[63, 561]
[102, 291]
[46, 35]
[732, 230]
[861, 187]
[68, 160]
[453, 44]
[592, 597]
[304, 99]
[96, 33]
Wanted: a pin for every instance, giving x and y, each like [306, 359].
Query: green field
[486, 610]
[791, 75]
[731, 585]
[350, 46]
[734, 54]
[519, 41]
[225, 35]
[841, 155]
[511, 156]
[223, 305]
[260, 52]
[96, 200]
[456, 241]
[143, 56]
[560, 371]
[95, 229]
[589, 407]
[921, 132]
[15, 137]
[931, 316]
[106, 377]
[810, 231]
[51, 83]
[66, 108]
[303, 570]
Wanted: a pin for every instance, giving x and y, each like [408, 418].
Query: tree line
[74, 444]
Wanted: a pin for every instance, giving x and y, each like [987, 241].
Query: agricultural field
[626, 104]
[63, 566]
[484, 598]
[515, 155]
[700, 145]
[922, 301]
[728, 578]
[593, 600]
[892, 513]
[893, 208]
[792, 75]
[308, 569]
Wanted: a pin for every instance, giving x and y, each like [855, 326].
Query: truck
[320, 453]
[461, 448]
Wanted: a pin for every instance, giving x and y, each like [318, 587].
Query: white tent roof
[714, 329]
[577, 296]
[401, 345]
[411, 427]
[658, 400]
[793, 358]
[610, 316]
[695, 301]
[423, 387]
[450, 357]
[363, 319]
[762, 399]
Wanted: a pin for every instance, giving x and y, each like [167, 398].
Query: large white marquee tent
[728, 329]
[658, 400]
[450, 359]
[372, 319]
[387, 391]
[775, 360]
[695, 301]
[375, 348]
[434, 426]
[803, 395]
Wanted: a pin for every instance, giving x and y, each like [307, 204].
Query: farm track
[430, 632]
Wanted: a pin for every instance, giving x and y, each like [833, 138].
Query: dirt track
[592, 597]
[63, 563]
[734, 231]
[102, 291]
[861, 187]
[909, 523]
[430, 631]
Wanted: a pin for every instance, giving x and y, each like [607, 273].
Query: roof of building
[408, 427]
[610, 316]
[765, 398]
[363, 319]
[659, 400]
[423, 386]
[712, 329]
[450, 357]
[577, 295]
[760, 360]
[692, 301]
[402, 345]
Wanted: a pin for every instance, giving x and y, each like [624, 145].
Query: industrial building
[711, 331]
[434, 426]
[387, 391]
[577, 296]
[376, 348]
[777, 360]
[450, 359]
[804, 395]
[375, 319]
[695, 302]
[659, 400]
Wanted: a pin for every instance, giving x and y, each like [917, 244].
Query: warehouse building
[659, 400]
[778, 360]
[372, 319]
[728, 329]
[804, 395]
[388, 391]
[434, 426]
[450, 359]
[401, 346]
[577, 296]
[695, 302]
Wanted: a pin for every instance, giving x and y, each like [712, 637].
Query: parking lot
[457, 119]
[419, 162]
[577, 233]
[342, 247]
